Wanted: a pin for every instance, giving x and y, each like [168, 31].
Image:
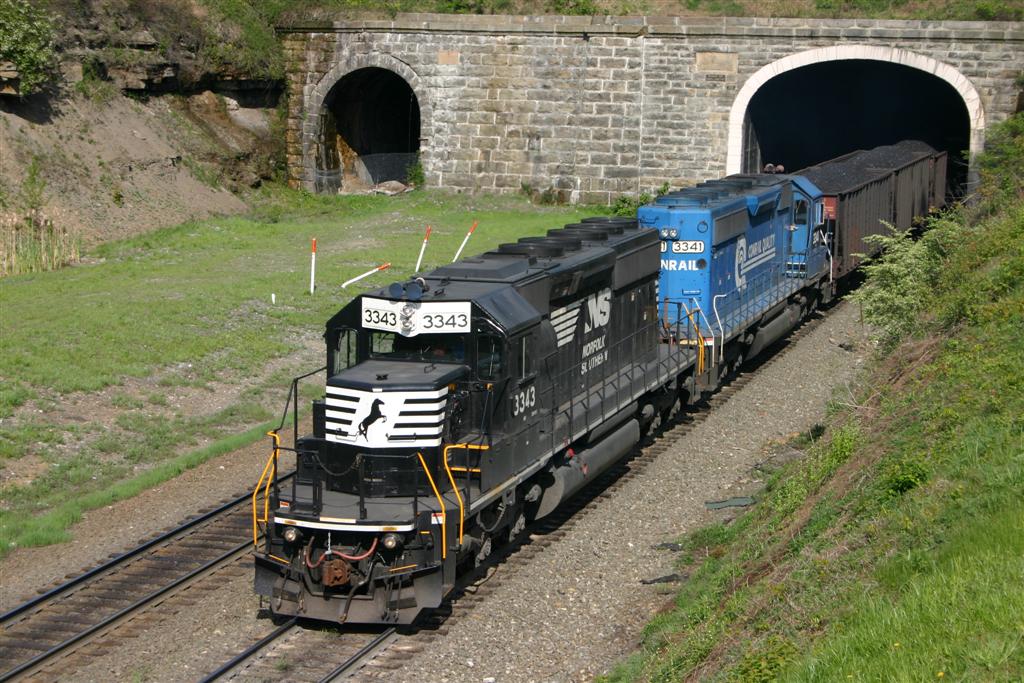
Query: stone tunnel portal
[821, 111]
[370, 131]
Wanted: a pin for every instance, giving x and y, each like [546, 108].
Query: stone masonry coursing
[595, 107]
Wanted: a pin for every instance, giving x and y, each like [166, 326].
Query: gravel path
[579, 606]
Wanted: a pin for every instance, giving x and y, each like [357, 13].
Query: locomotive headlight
[391, 541]
[673, 233]
[664, 233]
[291, 534]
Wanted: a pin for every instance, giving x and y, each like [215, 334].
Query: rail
[250, 652]
[119, 559]
[121, 615]
[358, 656]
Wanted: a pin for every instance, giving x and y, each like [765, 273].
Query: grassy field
[189, 309]
[894, 550]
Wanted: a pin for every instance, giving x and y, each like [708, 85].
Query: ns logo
[599, 308]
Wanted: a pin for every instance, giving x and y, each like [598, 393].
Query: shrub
[901, 280]
[26, 40]
[1001, 165]
[900, 476]
[414, 175]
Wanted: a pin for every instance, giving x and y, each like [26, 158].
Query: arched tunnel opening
[818, 112]
[370, 131]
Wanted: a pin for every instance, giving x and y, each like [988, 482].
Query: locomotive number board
[684, 247]
[410, 318]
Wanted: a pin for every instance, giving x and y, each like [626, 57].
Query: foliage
[414, 175]
[574, 7]
[627, 204]
[94, 84]
[902, 279]
[1001, 165]
[26, 40]
[904, 474]
[31, 240]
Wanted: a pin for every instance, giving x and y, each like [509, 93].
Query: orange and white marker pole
[423, 248]
[464, 240]
[312, 268]
[357, 278]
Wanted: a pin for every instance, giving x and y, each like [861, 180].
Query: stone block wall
[595, 107]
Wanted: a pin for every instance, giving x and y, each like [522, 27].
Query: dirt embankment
[134, 134]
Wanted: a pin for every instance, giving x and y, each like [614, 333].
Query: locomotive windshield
[439, 348]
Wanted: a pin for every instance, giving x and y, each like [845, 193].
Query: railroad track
[39, 633]
[304, 654]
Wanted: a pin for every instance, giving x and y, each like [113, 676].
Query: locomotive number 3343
[524, 400]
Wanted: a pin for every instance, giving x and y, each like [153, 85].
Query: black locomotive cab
[458, 407]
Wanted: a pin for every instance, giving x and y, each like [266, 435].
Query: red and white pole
[312, 268]
[423, 248]
[465, 239]
[357, 278]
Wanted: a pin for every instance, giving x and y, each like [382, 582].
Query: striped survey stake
[357, 278]
[423, 248]
[312, 268]
[466, 239]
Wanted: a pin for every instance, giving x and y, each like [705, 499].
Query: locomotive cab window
[439, 348]
[490, 360]
[800, 212]
[343, 355]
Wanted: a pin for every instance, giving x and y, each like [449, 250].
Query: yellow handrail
[269, 469]
[700, 341]
[448, 469]
[440, 501]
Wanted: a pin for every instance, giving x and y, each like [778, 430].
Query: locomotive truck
[464, 403]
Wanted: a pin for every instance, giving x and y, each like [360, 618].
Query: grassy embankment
[894, 551]
[189, 308]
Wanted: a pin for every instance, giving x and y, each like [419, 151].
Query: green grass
[19, 530]
[200, 293]
[895, 549]
[188, 307]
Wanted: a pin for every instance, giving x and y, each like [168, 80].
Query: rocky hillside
[133, 125]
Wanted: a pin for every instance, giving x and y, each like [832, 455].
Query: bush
[1001, 165]
[414, 175]
[26, 40]
[903, 475]
[901, 280]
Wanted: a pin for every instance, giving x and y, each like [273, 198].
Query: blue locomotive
[461, 405]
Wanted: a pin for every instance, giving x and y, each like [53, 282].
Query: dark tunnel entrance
[818, 112]
[370, 131]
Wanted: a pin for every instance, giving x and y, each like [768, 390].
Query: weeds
[30, 240]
